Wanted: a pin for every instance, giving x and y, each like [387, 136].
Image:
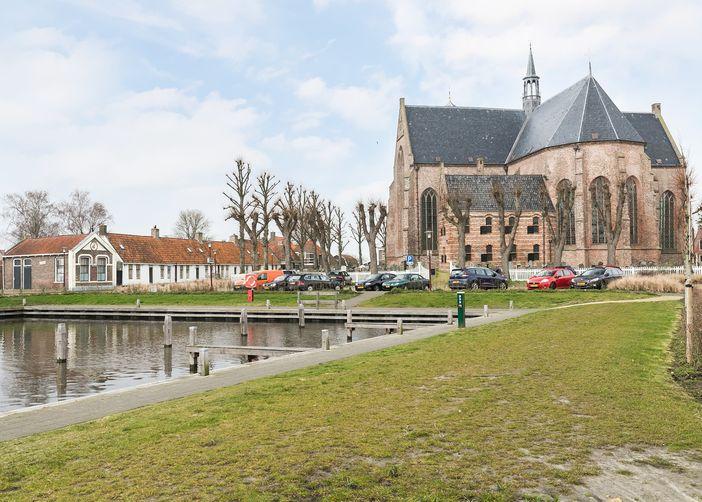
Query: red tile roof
[45, 245]
[147, 249]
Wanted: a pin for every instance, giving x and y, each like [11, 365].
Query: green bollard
[460, 303]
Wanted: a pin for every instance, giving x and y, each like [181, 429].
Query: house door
[151, 274]
[119, 273]
[27, 273]
[17, 275]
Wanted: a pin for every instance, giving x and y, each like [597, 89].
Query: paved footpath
[26, 421]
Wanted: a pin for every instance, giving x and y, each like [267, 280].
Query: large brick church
[578, 140]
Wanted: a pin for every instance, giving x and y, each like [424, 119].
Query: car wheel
[599, 285]
[338, 288]
[377, 287]
[503, 285]
[310, 288]
[552, 285]
[475, 286]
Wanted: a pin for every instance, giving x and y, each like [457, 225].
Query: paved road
[47, 417]
[366, 295]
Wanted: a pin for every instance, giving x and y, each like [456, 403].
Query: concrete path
[366, 295]
[26, 421]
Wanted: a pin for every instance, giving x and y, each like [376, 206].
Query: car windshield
[294, 277]
[545, 273]
[280, 278]
[373, 277]
[457, 273]
[401, 277]
[593, 272]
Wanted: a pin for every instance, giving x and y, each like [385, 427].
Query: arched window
[17, 274]
[565, 210]
[510, 225]
[487, 228]
[600, 202]
[513, 253]
[27, 274]
[633, 210]
[468, 251]
[428, 220]
[487, 256]
[667, 221]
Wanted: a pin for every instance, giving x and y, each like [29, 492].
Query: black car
[342, 277]
[374, 282]
[406, 281]
[280, 283]
[309, 282]
[477, 278]
[596, 277]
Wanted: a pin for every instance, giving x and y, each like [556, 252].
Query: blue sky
[146, 104]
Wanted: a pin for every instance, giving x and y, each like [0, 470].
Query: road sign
[410, 260]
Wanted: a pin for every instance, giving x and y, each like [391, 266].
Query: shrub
[661, 283]
[201, 286]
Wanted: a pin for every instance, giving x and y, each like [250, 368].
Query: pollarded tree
[338, 234]
[457, 212]
[264, 195]
[301, 234]
[239, 181]
[507, 239]
[357, 234]
[372, 218]
[562, 232]
[286, 217]
[605, 227]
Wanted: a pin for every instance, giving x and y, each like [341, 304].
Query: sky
[147, 104]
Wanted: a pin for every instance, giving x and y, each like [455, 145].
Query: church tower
[531, 97]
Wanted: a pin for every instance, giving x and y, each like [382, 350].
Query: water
[105, 355]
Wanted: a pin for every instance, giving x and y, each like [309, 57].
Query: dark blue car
[477, 278]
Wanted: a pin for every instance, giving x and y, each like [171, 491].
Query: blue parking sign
[410, 259]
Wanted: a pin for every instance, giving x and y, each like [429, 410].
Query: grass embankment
[493, 412]
[278, 299]
[499, 299]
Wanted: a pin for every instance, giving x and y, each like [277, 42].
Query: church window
[667, 221]
[565, 219]
[600, 201]
[633, 210]
[428, 226]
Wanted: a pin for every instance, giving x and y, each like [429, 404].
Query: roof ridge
[599, 95]
[564, 116]
[467, 107]
[582, 116]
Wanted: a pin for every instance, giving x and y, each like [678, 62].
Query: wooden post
[61, 339]
[485, 311]
[298, 297]
[138, 303]
[192, 340]
[349, 320]
[325, 340]
[204, 362]
[317, 300]
[399, 326]
[511, 304]
[268, 304]
[336, 299]
[343, 304]
[244, 321]
[301, 315]
[24, 302]
[449, 317]
[168, 331]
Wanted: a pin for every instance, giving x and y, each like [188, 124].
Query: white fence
[522, 274]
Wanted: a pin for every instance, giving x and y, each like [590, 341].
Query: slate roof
[479, 189]
[459, 135]
[45, 245]
[658, 145]
[582, 112]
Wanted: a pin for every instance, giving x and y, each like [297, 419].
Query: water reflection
[105, 355]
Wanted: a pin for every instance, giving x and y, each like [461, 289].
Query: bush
[661, 283]
[201, 286]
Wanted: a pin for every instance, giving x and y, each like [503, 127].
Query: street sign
[410, 260]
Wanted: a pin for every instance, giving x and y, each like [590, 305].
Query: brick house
[578, 137]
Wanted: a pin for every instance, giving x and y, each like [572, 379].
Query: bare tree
[565, 199]
[30, 215]
[239, 181]
[684, 182]
[302, 232]
[286, 216]
[254, 229]
[357, 233]
[457, 212]
[602, 198]
[506, 238]
[338, 226]
[264, 195]
[319, 217]
[190, 223]
[80, 215]
[370, 225]
[382, 240]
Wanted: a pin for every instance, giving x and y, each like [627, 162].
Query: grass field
[498, 299]
[278, 299]
[502, 411]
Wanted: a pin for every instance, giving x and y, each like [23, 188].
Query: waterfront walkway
[26, 421]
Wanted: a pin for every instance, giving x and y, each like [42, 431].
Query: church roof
[582, 112]
[459, 135]
[658, 146]
[478, 188]
[531, 69]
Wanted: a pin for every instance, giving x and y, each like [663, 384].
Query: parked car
[374, 282]
[551, 278]
[597, 277]
[406, 281]
[342, 277]
[309, 282]
[477, 278]
[280, 283]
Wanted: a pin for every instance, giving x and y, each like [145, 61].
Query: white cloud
[313, 149]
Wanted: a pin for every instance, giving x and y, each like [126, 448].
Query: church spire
[531, 97]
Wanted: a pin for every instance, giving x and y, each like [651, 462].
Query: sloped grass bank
[497, 412]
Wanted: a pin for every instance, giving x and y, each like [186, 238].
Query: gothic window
[633, 210]
[600, 202]
[667, 221]
[565, 219]
[428, 225]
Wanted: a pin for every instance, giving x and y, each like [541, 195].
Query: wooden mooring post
[343, 304]
[61, 339]
[336, 299]
[168, 331]
[298, 297]
[244, 322]
[138, 303]
[325, 340]
[399, 326]
[24, 302]
[511, 304]
[268, 304]
[449, 317]
[485, 311]
[204, 369]
[317, 300]
[349, 320]
[301, 315]
[192, 341]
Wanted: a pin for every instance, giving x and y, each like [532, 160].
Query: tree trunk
[287, 244]
[373, 256]
[266, 260]
[461, 245]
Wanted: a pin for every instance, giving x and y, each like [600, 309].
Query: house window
[138, 271]
[510, 225]
[130, 271]
[197, 272]
[428, 225]
[187, 272]
[17, 274]
[468, 251]
[59, 270]
[534, 227]
[162, 272]
[600, 200]
[84, 269]
[534, 255]
[487, 228]
[633, 210]
[487, 256]
[168, 271]
[513, 253]
[308, 259]
[102, 269]
[667, 221]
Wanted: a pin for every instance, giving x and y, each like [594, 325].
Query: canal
[106, 355]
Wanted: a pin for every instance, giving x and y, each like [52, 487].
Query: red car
[551, 278]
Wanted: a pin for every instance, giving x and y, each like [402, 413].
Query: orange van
[259, 278]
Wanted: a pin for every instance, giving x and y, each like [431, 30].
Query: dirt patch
[648, 474]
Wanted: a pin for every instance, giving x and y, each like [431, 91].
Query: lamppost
[211, 261]
[429, 236]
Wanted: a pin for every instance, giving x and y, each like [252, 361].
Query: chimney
[154, 232]
[656, 109]
[198, 236]
[102, 229]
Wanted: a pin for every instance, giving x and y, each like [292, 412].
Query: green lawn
[277, 299]
[498, 299]
[495, 413]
